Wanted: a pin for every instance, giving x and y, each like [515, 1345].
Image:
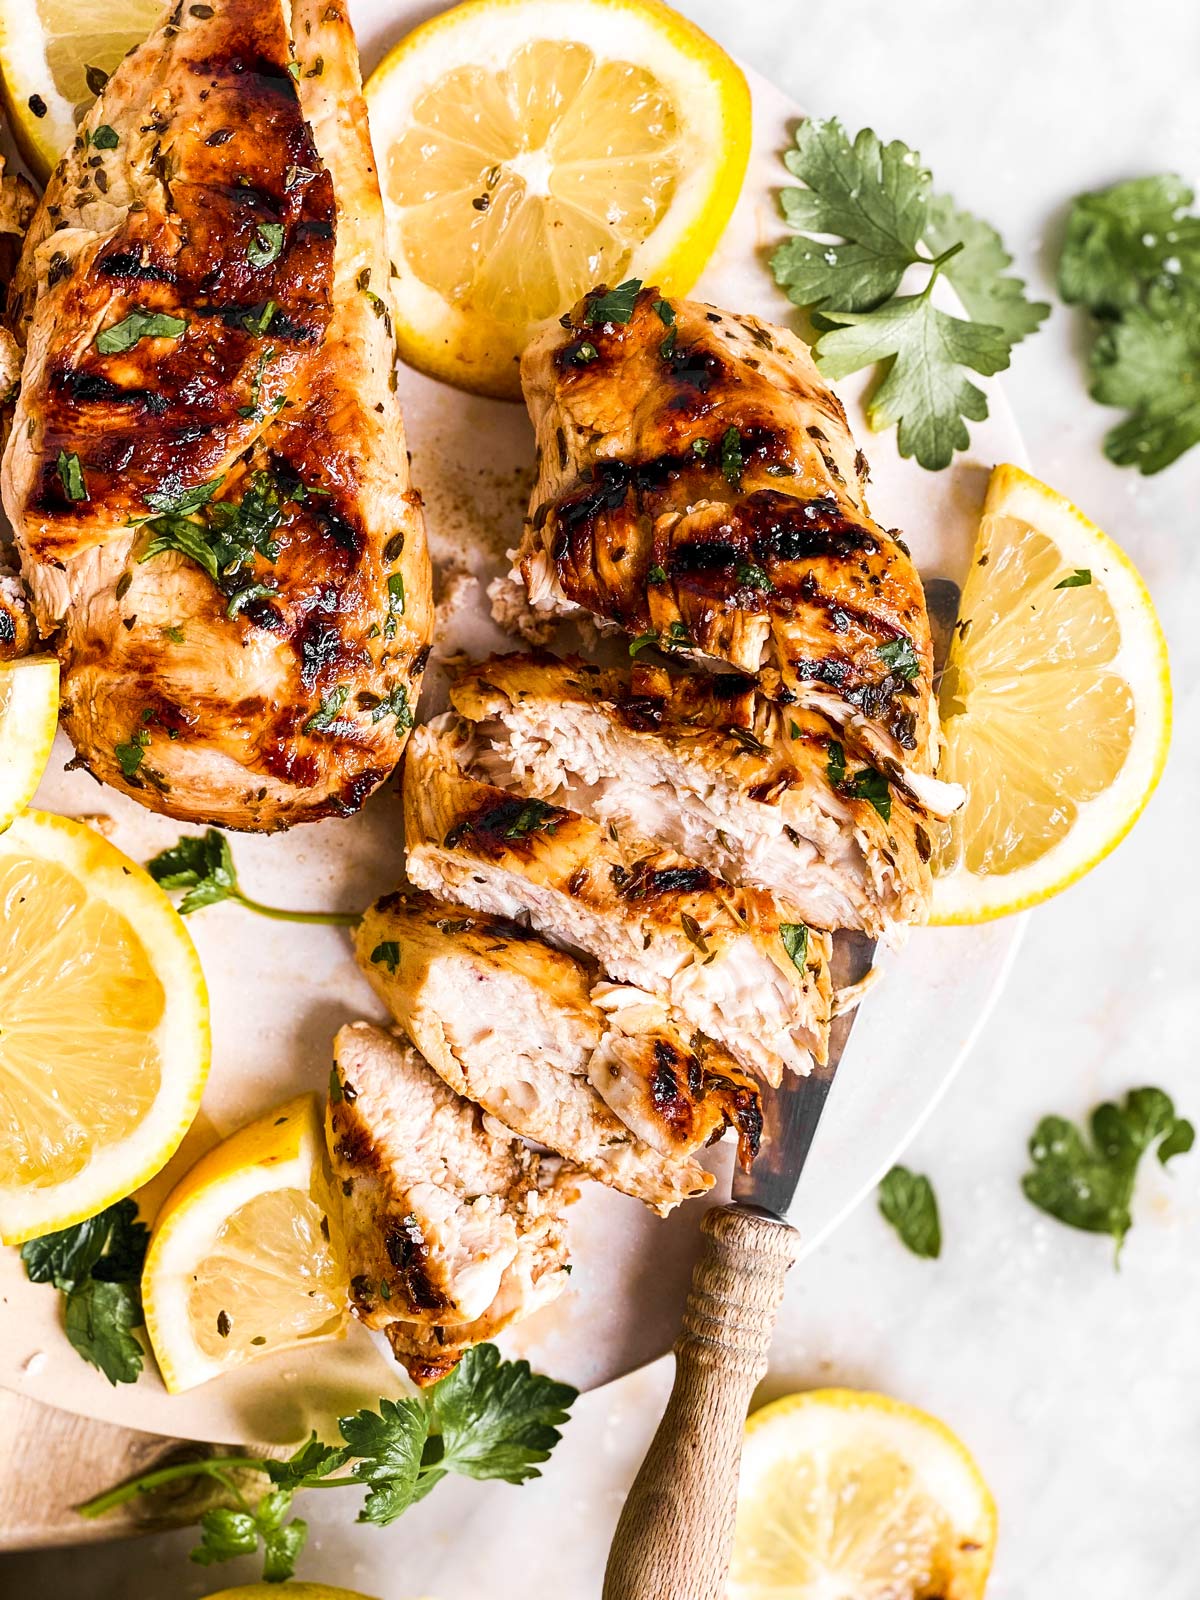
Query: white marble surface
[1077, 1386]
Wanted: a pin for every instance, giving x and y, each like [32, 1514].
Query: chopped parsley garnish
[656, 574]
[395, 587]
[183, 502]
[265, 244]
[900, 656]
[228, 536]
[97, 1265]
[748, 740]
[643, 640]
[700, 447]
[396, 705]
[907, 1201]
[105, 138]
[1089, 1185]
[749, 576]
[136, 326]
[487, 1419]
[129, 755]
[866, 784]
[731, 457]
[582, 355]
[1079, 579]
[666, 315]
[535, 816]
[255, 319]
[70, 475]
[326, 715]
[876, 201]
[614, 306]
[202, 864]
[387, 954]
[795, 941]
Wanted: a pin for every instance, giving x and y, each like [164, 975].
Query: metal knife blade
[792, 1112]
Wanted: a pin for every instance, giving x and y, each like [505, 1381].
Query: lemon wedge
[293, 1591]
[859, 1496]
[1055, 705]
[104, 1038]
[531, 149]
[46, 50]
[28, 720]
[244, 1259]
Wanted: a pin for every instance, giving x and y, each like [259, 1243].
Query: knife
[675, 1532]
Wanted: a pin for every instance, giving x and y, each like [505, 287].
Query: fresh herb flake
[136, 326]
[1079, 579]
[265, 244]
[907, 1201]
[387, 954]
[614, 306]
[900, 656]
[795, 941]
[70, 475]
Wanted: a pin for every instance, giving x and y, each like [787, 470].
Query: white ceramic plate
[279, 992]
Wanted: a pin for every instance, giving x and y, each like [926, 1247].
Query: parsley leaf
[835, 763]
[138, 325]
[925, 352]
[795, 942]
[129, 755]
[1123, 239]
[535, 816]
[876, 201]
[900, 656]
[907, 1201]
[182, 502]
[498, 1419]
[97, 1264]
[203, 865]
[388, 953]
[1079, 579]
[104, 138]
[616, 305]
[488, 1419]
[324, 717]
[873, 787]
[1149, 363]
[1089, 1185]
[70, 475]
[265, 244]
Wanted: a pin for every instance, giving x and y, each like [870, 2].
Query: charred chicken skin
[207, 472]
[698, 487]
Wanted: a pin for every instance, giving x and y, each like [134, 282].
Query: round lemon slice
[1055, 705]
[244, 1259]
[48, 51]
[856, 1495]
[28, 719]
[104, 1037]
[530, 149]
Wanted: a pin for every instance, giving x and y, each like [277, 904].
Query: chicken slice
[444, 1219]
[207, 474]
[720, 955]
[759, 795]
[508, 1021]
[698, 486]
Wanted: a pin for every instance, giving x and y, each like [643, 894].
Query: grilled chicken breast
[718, 955]
[759, 795]
[508, 1021]
[447, 1222]
[207, 472]
[698, 486]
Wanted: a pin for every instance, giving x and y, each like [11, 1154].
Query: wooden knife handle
[674, 1536]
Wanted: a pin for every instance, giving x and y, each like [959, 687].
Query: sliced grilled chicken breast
[207, 472]
[718, 954]
[508, 1021]
[443, 1217]
[698, 486]
[760, 795]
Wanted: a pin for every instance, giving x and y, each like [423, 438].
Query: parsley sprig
[202, 864]
[1131, 256]
[1089, 1184]
[866, 216]
[97, 1265]
[487, 1419]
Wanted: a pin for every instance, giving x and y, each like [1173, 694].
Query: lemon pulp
[79, 999]
[523, 186]
[270, 1279]
[1027, 662]
[74, 42]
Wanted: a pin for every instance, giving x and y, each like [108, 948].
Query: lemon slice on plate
[28, 720]
[244, 1259]
[1055, 705]
[104, 1037]
[530, 149]
[46, 50]
[856, 1495]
